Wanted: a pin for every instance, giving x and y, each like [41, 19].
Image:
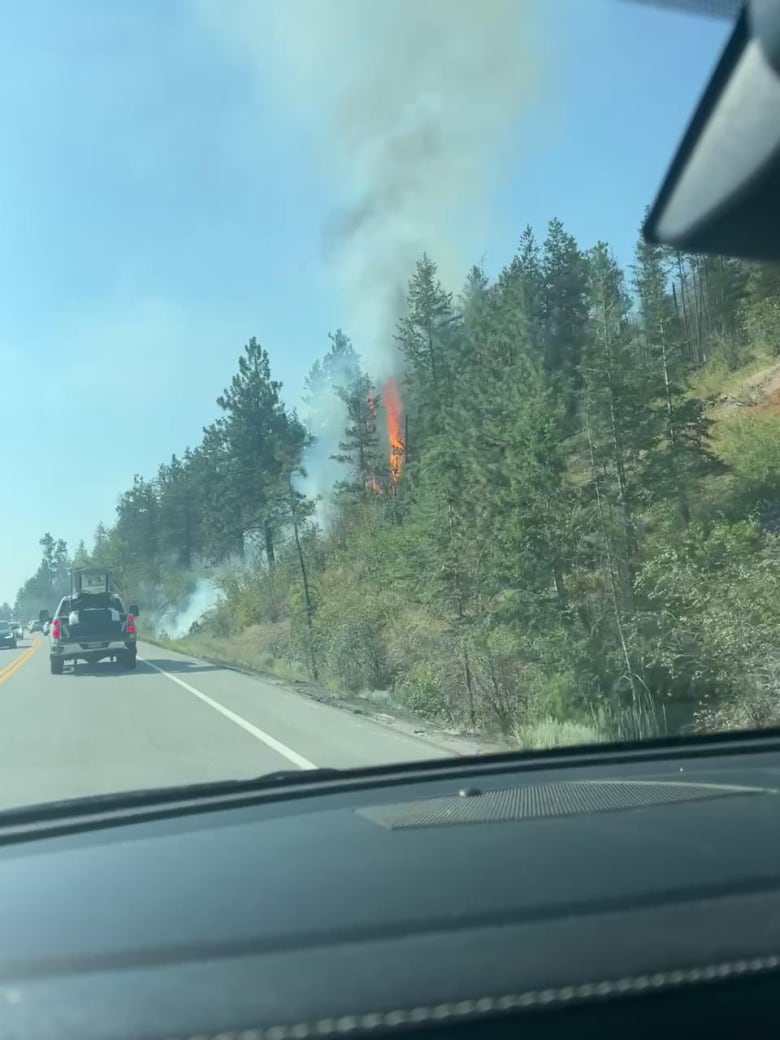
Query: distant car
[18, 630]
[46, 627]
[35, 626]
[7, 635]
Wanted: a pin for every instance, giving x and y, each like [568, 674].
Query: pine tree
[259, 437]
[337, 371]
[217, 483]
[180, 536]
[81, 556]
[426, 341]
[564, 321]
[526, 270]
[359, 447]
[615, 410]
[760, 306]
[676, 451]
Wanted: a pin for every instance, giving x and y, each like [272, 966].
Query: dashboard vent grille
[538, 801]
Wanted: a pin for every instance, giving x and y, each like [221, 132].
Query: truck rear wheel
[56, 664]
[127, 659]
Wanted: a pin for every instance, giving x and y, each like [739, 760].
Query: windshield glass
[330, 332]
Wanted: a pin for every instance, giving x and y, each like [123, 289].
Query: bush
[755, 703]
[715, 596]
[355, 654]
[349, 633]
[729, 353]
[422, 692]
[762, 324]
[750, 444]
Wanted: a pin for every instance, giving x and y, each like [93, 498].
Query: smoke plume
[409, 105]
[177, 619]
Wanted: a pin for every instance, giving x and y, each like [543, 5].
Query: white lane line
[259, 734]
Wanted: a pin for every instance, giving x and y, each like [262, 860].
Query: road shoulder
[399, 722]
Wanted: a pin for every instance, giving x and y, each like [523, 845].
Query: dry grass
[254, 649]
[550, 733]
[761, 375]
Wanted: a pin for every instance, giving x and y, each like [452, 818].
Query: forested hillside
[549, 517]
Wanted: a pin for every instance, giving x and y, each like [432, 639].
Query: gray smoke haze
[170, 607]
[409, 105]
[325, 417]
[176, 619]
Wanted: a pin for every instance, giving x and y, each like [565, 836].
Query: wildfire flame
[392, 403]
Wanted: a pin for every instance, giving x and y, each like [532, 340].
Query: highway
[174, 720]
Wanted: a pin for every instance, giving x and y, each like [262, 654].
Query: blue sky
[164, 193]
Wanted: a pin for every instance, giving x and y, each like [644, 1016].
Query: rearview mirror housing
[722, 192]
[44, 616]
[133, 609]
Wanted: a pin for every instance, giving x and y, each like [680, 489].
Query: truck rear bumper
[91, 651]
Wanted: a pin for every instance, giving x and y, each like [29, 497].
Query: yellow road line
[19, 662]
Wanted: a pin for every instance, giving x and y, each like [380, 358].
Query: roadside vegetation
[556, 524]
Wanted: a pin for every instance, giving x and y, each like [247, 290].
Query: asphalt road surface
[174, 720]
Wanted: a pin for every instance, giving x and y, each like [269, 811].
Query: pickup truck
[91, 624]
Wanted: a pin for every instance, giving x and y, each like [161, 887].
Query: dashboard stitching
[437, 1013]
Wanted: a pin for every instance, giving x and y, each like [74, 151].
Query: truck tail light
[131, 624]
[56, 629]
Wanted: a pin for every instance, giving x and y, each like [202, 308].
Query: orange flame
[392, 402]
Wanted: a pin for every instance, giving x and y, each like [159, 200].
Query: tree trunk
[305, 581]
[268, 535]
[461, 611]
[611, 571]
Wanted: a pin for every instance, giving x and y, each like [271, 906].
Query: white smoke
[325, 422]
[172, 606]
[176, 620]
[325, 417]
[410, 105]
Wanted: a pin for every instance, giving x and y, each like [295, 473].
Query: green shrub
[762, 324]
[750, 444]
[422, 692]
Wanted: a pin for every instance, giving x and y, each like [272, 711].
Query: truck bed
[94, 625]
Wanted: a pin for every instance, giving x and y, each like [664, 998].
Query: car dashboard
[599, 887]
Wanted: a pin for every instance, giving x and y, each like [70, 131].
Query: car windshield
[344, 368]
